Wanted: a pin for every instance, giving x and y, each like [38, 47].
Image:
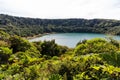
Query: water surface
[71, 39]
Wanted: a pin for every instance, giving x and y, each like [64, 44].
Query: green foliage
[99, 73]
[1, 76]
[13, 69]
[3, 44]
[95, 46]
[5, 53]
[50, 48]
[55, 77]
[21, 57]
[111, 58]
[3, 35]
[96, 59]
[63, 49]
[19, 44]
[38, 45]
[32, 73]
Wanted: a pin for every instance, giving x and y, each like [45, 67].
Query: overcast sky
[89, 9]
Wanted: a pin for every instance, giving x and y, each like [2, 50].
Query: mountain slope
[30, 26]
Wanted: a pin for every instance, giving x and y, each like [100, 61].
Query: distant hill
[32, 26]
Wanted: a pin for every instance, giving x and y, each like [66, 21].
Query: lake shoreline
[70, 39]
[38, 35]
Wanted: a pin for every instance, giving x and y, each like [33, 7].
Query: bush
[38, 46]
[19, 44]
[50, 48]
[4, 54]
[95, 46]
[111, 58]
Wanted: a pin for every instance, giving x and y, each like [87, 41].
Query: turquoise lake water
[71, 39]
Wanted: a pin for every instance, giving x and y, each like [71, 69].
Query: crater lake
[71, 39]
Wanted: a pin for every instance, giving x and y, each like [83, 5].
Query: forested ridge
[95, 59]
[32, 26]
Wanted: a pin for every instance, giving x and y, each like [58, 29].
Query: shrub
[19, 44]
[50, 48]
[4, 54]
[95, 46]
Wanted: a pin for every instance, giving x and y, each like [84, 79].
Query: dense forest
[33, 26]
[95, 59]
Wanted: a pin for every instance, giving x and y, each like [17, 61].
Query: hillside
[30, 26]
[96, 59]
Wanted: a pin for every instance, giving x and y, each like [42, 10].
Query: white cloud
[62, 8]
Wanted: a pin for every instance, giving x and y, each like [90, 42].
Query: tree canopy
[31, 26]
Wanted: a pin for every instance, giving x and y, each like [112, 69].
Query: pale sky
[52, 9]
